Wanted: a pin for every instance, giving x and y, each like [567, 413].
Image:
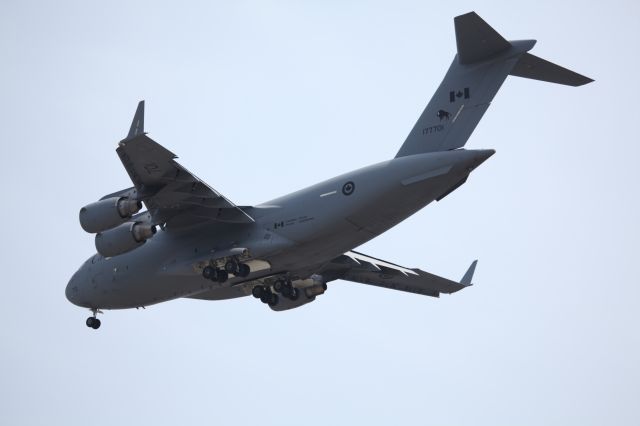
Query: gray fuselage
[294, 234]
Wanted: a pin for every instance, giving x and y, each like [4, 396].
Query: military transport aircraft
[191, 241]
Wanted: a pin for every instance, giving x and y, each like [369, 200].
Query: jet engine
[123, 238]
[108, 213]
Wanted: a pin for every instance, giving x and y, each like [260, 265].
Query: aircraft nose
[71, 292]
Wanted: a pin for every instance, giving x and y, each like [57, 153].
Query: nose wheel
[93, 321]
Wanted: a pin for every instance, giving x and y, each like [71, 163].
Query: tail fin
[483, 62]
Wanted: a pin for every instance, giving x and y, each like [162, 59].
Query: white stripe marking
[328, 193]
[377, 263]
[455, 117]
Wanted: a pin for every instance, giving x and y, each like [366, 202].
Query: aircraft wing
[360, 268]
[172, 194]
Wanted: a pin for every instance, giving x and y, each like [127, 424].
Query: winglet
[468, 276]
[137, 125]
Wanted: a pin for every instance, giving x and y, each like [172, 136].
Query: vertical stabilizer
[483, 62]
[476, 40]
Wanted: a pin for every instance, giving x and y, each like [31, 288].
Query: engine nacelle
[123, 238]
[108, 213]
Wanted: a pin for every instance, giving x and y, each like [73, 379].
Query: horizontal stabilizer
[531, 66]
[476, 40]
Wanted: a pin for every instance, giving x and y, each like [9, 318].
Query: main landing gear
[283, 287]
[221, 275]
[265, 295]
[236, 268]
[93, 321]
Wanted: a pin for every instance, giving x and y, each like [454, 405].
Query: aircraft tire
[273, 300]
[93, 323]
[257, 291]
[209, 272]
[287, 290]
[295, 294]
[231, 266]
[223, 276]
[278, 285]
[243, 270]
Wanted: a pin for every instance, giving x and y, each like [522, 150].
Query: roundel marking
[348, 188]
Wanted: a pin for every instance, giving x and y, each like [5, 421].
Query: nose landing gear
[93, 321]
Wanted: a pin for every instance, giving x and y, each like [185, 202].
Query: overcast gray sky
[260, 98]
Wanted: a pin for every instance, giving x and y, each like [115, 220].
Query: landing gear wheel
[295, 294]
[231, 267]
[278, 285]
[243, 270]
[258, 291]
[287, 290]
[265, 297]
[209, 272]
[93, 322]
[223, 276]
[273, 300]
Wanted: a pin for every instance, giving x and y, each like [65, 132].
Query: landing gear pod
[123, 238]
